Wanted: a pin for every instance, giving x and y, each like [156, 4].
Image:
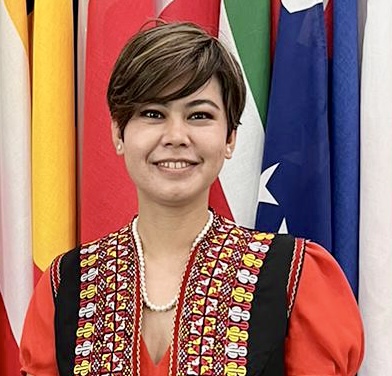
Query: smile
[174, 165]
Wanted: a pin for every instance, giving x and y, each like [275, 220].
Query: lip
[176, 160]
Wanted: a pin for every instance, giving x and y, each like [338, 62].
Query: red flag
[202, 12]
[108, 197]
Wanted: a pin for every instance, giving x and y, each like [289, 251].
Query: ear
[116, 138]
[230, 145]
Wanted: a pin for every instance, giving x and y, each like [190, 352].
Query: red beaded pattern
[106, 327]
[213, 329]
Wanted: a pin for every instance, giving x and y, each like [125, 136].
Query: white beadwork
[169, 306]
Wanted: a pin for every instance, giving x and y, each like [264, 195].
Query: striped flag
[344, 131]
[16, 268]
[37, 162]
[239, 177]
[375, 252]
[294, 190]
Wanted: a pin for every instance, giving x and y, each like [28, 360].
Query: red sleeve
[325, 334]
[37, 347]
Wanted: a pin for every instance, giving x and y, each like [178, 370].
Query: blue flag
[345, 139]
[295, 188]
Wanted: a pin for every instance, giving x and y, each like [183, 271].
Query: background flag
[53, 131]
[37, 154]
[108, 197]
[16, 267]
[238, 177]
[344, 131]
[80, 72]
[375, 252]
[294, 190]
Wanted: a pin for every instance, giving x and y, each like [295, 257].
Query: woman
[182, 290]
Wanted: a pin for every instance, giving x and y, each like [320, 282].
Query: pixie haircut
[156, 59]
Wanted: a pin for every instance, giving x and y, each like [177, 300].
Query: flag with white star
[294, 191]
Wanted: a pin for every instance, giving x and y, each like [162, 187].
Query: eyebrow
[198, 102]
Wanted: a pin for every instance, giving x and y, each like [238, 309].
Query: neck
[170, 231]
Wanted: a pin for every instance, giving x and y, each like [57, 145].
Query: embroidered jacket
[237, 294]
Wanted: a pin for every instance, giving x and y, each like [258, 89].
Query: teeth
[174, 165]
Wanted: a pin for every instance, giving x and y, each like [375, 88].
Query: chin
[181, 198]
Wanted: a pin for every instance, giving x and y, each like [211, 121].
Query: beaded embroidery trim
[55, 274]
[295, 269]
[106, 328]
[213, 329]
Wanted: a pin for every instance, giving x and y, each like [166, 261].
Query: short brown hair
[156, 58]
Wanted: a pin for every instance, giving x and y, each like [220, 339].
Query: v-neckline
[163, 366]
[163, 363]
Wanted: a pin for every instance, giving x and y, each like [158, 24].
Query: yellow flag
[53, 131]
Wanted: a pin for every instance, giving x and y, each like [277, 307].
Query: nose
[176, 132]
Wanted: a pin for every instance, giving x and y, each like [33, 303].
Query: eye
[200, 116]
[152, 114]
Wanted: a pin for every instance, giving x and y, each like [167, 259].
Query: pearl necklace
[169, 306]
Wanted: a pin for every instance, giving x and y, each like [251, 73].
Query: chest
[157, 333]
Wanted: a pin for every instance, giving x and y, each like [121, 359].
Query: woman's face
[174, 151]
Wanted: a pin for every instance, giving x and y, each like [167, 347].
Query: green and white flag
[246, 31]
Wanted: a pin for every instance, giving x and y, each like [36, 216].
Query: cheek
[131, 167]
[215, 142]
[133, 159]
[135, 146]
[217, 155]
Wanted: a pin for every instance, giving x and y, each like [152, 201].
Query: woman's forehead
[181, 90]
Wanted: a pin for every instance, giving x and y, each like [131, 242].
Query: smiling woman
[164, 145]
[182, 290]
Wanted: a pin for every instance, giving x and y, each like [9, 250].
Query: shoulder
[321, 269]
[282, 256]
[263, 237]
[95, 246]
[66, 267]
[285, 249]
[325, 312]
[279, 248]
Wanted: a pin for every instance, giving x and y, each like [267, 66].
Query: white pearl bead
[139, 249]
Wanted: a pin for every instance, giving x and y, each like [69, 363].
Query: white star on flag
[299, 5]
[283, 227]
[266, 196]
